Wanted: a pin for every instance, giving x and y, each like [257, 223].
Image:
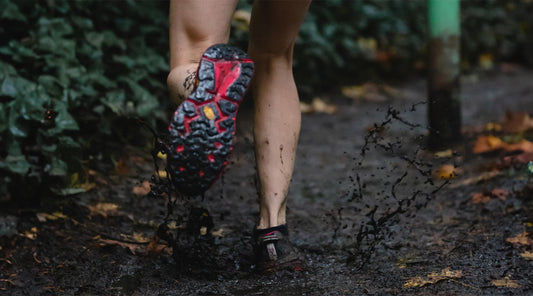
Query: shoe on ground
[274, 251]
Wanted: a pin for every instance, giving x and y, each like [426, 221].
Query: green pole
[444, 107]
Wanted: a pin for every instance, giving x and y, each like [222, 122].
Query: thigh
[275, 25]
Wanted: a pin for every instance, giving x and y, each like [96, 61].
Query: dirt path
[103, 242]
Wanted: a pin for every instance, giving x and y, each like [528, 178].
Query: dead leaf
[527, 255]
[447, 171]
[133, 248]
[493, 127]
[522, 145]
[40, 217]
[318, 106]
[483, 176]
[517, 122]
[154, 247]
[31, 234]
[480, 198]
[506, 282]
[142, 189]
[433, 278]
[122, 168]
[500, 193]
[487, 144]
[54, 216]
[371, 92]
[486, 61]
[218, 233]
[445, 153]
[520, 240]
[103, 209]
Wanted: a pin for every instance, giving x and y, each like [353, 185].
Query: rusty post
[444, 108]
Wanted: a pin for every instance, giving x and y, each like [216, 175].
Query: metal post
[444, 108]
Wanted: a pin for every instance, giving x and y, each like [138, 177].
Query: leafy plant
[74, 76]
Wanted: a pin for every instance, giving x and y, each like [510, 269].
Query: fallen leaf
[318, 106]
[40, 217]
[433, 278]
[142, 189]
[122, 168]
[103, 209]
[486, 61]
[154, 247]
[447, 171]
[31, 234]
[480, 198]
[493, 127]
[371, 92]
[445, 153]
[516, 122]
[520, 240]
[527, 255]
[506, 282]
[55, 216]
[487, 144]
[500, 193]
[523, 145]
[133, 248]
[483, 176]
[516, 159]
[218, 232]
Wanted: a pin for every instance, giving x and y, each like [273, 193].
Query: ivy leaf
[56, 167]
[10, 11]
[16, 164]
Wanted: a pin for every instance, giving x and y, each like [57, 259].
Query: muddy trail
[372, 211]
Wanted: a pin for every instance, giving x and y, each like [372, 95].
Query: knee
[272, 57]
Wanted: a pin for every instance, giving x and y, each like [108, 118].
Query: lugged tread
[202, 128]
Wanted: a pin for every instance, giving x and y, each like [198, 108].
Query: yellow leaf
[520, 240]
[55, 216]
[445, 153]
[103, 209]
[433, 278]
[162, 174]
[506, 282]
[447, 171]
[487, 144]
[527, 255]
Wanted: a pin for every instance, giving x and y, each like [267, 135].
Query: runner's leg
[273, 30]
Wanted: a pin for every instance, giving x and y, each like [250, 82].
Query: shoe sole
[203, 127]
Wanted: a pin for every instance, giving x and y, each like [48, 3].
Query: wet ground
[372, 224]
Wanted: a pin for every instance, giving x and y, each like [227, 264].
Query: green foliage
[73, 76]
[345, 41]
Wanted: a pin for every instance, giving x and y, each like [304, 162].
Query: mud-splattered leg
[273, 31]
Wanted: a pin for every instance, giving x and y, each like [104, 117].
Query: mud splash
[380, 196]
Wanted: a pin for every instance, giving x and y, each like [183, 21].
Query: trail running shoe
[274, 251]
[203, 126]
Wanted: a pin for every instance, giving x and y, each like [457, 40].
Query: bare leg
[194, 26]
[273, 30]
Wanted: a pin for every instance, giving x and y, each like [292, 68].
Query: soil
[372, 223]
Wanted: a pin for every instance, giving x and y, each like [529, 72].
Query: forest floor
[395, 220]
